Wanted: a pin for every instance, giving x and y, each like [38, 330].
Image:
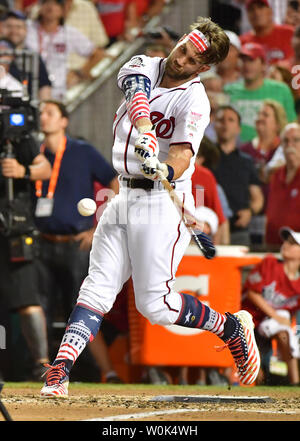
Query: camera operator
[21, 164]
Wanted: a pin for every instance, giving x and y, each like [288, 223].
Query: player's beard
[174, 73]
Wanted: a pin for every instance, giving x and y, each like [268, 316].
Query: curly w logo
[164, 127]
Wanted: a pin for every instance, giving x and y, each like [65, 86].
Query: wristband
[171, 173]
[27, 172]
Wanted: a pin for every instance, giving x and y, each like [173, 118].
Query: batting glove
[146, 145]
[151, 165]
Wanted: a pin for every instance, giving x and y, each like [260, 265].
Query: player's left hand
[146, 145]
[151, 165]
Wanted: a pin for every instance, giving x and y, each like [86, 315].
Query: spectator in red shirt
[119, 18]
[283, 205]
[205, 192]
[204, 187]
[272, 296]
[275, 38]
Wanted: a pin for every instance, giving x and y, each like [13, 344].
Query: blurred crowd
[72, 36]
[246, 182]
[245, 156]
[255, 106]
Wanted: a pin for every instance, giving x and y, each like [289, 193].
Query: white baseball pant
[140, 234]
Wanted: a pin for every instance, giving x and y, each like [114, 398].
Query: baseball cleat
[243, 348]
[57, 381]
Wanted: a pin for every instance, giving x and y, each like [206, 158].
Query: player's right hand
[146, 145]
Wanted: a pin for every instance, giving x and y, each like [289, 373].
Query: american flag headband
[199, 40]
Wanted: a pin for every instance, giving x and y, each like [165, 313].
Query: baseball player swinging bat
[201, 239]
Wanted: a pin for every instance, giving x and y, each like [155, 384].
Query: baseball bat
[203, 242]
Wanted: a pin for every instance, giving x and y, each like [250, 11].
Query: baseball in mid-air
[86, 207]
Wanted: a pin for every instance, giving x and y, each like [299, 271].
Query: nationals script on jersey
[180, 114]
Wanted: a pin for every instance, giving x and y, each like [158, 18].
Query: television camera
[18, 125]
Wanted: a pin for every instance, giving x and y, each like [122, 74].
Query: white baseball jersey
[180, 114]
[54, 49]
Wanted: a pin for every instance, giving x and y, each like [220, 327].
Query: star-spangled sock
[82, 328]
[195, 314]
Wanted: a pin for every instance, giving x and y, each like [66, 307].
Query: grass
[166, 389]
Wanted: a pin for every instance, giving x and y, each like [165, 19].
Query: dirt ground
[135, 403]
